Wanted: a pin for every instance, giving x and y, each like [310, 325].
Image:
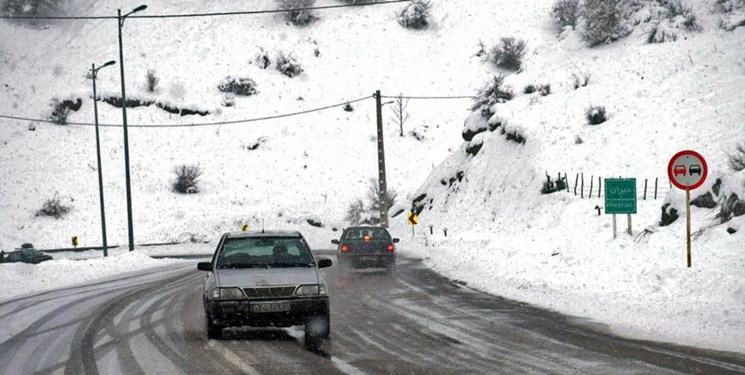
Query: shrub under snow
[187, 177]
[296, 13]
[53, 207]
[509, 53]
[595, 115]
[602, 21]
[415, 15]
[238, 86]
[288, 65]
[565, 13]
[495, 91]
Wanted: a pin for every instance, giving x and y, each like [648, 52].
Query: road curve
[413, 322]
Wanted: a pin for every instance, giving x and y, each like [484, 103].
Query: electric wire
[428, 97]
[209, 14]
[200, 124]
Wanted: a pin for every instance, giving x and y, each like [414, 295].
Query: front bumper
[235, 313]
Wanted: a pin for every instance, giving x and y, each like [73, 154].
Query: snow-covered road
[415, 321]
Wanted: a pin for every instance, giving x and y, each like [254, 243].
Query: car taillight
[391, 247]
[345, 248]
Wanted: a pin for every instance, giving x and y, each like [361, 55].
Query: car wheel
[214, 331]
[317, 329]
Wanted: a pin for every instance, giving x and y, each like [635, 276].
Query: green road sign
[620, 195]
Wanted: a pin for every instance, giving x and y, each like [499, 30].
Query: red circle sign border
[694, 154]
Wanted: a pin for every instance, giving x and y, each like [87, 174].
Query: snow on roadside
[20, 279]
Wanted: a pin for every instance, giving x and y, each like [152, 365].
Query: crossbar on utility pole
[382, 186]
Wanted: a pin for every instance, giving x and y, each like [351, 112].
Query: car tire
[317, 329]
[214, 331]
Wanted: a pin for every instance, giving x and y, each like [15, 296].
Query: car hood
[258, 277]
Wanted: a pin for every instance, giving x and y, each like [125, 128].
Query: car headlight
[310, 290]
[227, 293]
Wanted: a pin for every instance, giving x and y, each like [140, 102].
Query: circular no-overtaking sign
[687, 170]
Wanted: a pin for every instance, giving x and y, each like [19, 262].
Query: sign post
[620, 198]
[412, 220]
[687, 170]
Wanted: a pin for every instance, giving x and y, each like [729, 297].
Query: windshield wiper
[278, 265]
[240, 265]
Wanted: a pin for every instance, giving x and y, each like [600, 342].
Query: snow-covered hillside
[503, 235]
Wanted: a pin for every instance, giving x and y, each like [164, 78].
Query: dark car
[32, 256]
[266, 279]
[366, 246]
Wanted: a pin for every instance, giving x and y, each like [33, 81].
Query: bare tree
[399, 112]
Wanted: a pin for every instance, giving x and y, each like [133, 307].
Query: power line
[210, 14]
[192, 125]
[428, 97]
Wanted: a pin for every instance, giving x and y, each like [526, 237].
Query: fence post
[645, 189]
[582, 187]
[592, 178]
[566, 180]
[655, 187]
[600, 183]
[575, 184]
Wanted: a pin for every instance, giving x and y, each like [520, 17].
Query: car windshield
[375, 234]
[264, 252]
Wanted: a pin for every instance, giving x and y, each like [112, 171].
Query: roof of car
[268, 233]
[365, 227]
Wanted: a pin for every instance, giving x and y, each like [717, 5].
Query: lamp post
[120, 24]
[94, 73]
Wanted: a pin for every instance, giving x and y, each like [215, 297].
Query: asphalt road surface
[413, 322]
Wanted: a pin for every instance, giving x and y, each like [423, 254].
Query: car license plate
[270, 307]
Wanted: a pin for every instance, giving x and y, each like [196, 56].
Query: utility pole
[382, 187]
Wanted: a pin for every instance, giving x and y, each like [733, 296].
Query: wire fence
[591, 186]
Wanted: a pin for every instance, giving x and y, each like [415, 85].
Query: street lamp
[120, 24]
[94, 73]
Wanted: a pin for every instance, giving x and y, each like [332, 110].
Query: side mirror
[395, 240]
[324, 263]
[335, 242]
[204, 266]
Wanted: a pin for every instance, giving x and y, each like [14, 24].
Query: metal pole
[628, 221]
[688, 226]
[98, 159]
[383, 189]
[130, 227]
[614, 226]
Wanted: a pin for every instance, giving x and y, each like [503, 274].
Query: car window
[380, 234]
[264, 252]
[360, 233]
